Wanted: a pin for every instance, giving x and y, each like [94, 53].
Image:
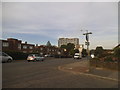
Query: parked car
[47, 55]
[5, 57]
[35, 57]
[77, 56]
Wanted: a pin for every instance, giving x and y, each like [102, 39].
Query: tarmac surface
[52, 73]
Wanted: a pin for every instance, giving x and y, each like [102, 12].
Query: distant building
[27, 48]
[16, 45]
[48, 43]
[12, 44]
[48, 50]
[65, 41]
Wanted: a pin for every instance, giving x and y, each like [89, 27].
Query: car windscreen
[77, 55]
[4, 54]
[0, 53]
[37, 55]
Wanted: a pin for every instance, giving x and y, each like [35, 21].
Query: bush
[17, 55]
[117, 52]
[109, 59]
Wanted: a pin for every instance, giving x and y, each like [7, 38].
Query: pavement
[83, 68]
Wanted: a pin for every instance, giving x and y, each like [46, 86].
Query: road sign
[87, 43]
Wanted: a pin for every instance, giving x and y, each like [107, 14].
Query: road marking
[69, 68]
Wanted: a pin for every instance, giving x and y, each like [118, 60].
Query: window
[31, 47]
[24, 47]
[41, 48]
[5, 44]
[19, 46]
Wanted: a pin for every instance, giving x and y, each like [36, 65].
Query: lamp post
[87, 40]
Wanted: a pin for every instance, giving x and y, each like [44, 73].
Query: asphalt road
[23, 74]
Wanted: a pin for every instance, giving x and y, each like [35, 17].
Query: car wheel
[9, 60]
[34, 60]
[28, 60]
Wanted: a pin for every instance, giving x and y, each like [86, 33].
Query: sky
[39, 22]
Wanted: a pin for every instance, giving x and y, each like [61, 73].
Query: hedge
[103, 64]
[17, 55]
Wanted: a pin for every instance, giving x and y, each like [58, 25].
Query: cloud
[56, 20]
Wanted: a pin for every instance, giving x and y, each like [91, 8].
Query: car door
[4, 57]
[0, 57]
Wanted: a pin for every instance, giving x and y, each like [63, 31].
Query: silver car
[5, 57]
[35, 57]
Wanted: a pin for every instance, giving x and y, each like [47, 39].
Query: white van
[5, 57]
[77, 56]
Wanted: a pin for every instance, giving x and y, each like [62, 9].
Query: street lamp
[87, 40]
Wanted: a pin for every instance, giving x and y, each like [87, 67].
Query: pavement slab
[83, 67]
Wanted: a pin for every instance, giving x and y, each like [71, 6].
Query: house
[27, 48]
[12, 44]
[49, 50]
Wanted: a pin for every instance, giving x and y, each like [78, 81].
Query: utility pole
[87, 40]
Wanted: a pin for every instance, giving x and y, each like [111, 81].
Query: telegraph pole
[87, 43]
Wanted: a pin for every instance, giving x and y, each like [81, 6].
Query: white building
[65, 41]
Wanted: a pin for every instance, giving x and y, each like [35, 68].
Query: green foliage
[72, 52]
[69, 48]
[117, 52]
[17, 55]
[92, 51]
[84, 52]
[108, 59]
[99, 51]
[76, 51]
[63, 46]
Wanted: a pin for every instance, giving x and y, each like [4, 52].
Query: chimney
[36, 45]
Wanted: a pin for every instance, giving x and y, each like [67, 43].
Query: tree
[117, 52]
[84, 52]
[76, 51]
[72, 52]
[63, 46]
[70, 46]
[92, 51]
[99, 51]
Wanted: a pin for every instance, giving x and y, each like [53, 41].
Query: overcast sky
[39, 22]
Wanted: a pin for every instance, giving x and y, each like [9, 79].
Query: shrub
[17, 55]
[117, 52]
[109, 59]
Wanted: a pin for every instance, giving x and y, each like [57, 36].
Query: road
[23, 74]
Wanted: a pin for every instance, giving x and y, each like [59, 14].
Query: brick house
[49, 50]
[27, 48]
[12, 44]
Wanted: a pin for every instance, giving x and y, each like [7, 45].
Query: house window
[19, 46]
[5, 44]
[31, 47]
[24, 51]
[24, 47]
[41, 48]
[47, 49]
